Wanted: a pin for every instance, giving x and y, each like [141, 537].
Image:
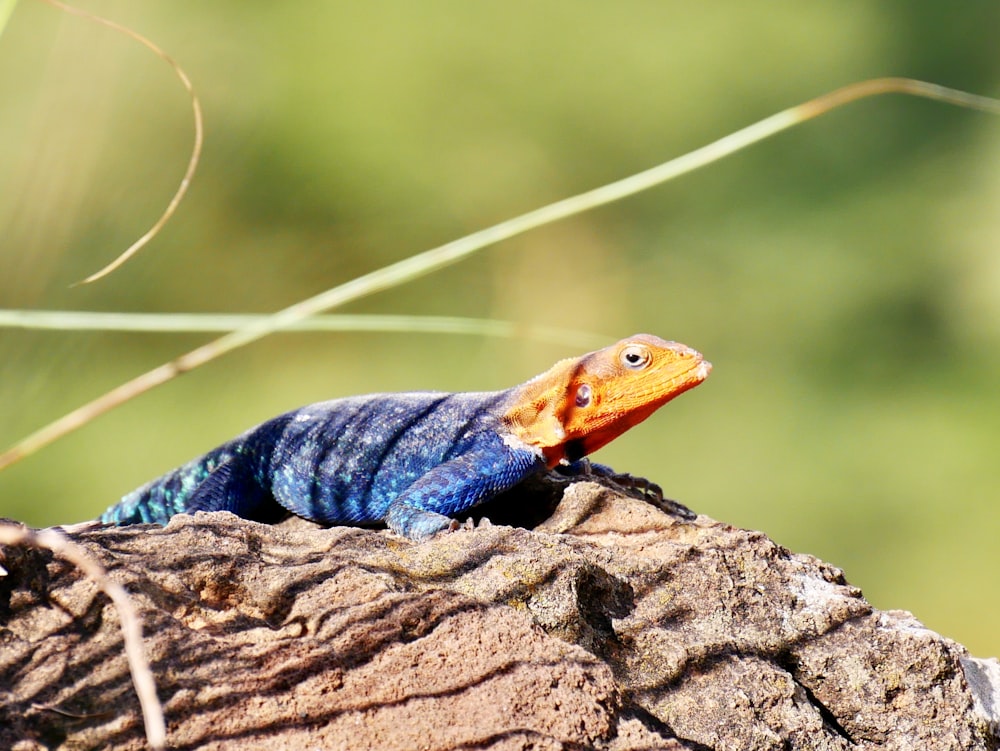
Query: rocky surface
[610, 625]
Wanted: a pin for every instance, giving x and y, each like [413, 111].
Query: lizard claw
[648, 490]
[653, 494]
[469, 523]
[672, 507]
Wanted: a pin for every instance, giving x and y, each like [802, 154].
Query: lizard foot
[646, 489]
[653, 494]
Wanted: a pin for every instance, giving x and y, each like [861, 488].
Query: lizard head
[581, 404]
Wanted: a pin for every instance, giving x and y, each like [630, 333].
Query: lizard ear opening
[584, 394]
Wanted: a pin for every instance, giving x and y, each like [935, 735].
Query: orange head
[579, 405]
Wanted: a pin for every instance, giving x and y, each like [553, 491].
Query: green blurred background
[844, 278]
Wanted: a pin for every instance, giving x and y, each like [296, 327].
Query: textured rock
[610, 626]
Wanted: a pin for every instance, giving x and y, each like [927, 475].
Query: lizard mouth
[690, 367]
[688, 378]
[696, 372]
[678, 377]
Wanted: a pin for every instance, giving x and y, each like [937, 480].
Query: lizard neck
[583, 403]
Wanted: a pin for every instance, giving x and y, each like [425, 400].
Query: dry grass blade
[195, 150]
[87, 320]
[436, 258]
[142, 676]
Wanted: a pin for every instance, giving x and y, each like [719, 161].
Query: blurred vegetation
[844, 278]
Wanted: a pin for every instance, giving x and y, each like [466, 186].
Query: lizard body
[413, 460]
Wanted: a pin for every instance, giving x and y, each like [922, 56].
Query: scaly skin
[413, 460]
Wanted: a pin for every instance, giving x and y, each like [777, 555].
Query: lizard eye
[583, 395]
[634, 357]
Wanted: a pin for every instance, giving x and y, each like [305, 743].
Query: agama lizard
[413, 460]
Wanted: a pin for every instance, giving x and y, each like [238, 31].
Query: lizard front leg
[428, 505]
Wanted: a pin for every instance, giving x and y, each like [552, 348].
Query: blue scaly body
[413, 460]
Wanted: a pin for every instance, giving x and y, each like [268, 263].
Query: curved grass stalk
[430, 260]
[199, 134]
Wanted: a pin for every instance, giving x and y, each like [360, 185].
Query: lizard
[414, 460]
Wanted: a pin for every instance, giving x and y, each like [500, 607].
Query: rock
[610, 625]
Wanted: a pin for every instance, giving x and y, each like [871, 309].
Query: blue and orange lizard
[414, 460]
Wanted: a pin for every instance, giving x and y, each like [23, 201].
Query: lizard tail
[156, 501]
